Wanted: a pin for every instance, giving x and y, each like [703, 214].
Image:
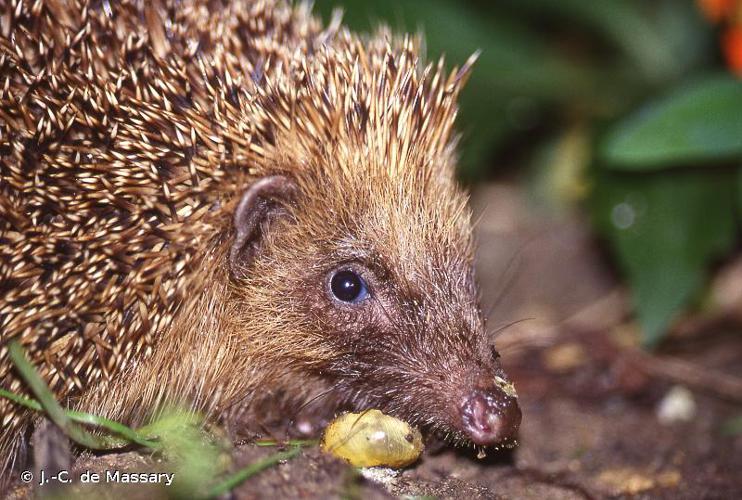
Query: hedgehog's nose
[490, 416]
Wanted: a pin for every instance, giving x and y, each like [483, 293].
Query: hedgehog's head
[355, 249]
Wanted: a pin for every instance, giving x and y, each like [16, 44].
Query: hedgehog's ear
[262, 201]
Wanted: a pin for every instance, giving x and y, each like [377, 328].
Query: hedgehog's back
[121, 138]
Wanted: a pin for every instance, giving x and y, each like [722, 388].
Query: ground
[601, 418]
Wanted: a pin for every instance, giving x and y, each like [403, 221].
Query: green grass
[177, 434]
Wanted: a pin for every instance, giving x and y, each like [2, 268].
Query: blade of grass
[128, 434]
[291, 442]
[66, 420]
[245, 473]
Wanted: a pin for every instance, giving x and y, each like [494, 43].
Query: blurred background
[602, 142]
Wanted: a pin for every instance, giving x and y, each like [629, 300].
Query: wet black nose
[490, 416]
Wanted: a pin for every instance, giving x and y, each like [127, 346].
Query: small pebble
[678, 405]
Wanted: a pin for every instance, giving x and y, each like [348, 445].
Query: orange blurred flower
[716, 10]
[727, 13]
[731, 43]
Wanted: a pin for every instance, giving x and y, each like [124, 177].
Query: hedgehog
[231, 207]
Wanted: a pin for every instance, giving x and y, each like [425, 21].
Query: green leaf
[194, 455]
[662, 39]
[698, 123]
[665, 228]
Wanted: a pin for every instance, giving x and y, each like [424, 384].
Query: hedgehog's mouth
[487, 415]
[467, 403]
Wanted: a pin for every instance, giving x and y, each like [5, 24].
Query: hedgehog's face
[409, 340]
[378, 299]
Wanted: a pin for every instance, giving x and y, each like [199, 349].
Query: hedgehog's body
[129, 133]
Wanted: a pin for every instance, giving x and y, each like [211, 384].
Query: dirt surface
[601, 419]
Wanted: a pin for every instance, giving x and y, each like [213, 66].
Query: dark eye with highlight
[348, 286]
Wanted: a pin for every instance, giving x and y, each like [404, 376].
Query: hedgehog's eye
[348, 286]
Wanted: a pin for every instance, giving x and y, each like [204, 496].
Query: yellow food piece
[370, 439]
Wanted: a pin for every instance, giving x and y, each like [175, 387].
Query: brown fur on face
[126, 144]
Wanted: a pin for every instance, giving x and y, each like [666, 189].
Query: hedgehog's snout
[490, 416]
